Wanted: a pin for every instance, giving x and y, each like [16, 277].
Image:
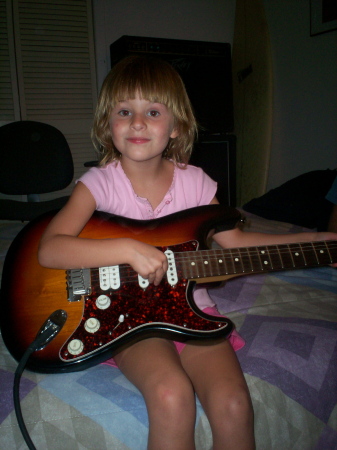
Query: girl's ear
[174, 133]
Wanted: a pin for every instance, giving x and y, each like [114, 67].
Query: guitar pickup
[172, 276]
[78, 284]
[109, 278]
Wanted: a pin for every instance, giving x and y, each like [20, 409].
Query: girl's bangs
[150, 89]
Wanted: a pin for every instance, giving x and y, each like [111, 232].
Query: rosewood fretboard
[248, 260]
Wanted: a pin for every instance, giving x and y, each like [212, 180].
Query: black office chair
[35, 159]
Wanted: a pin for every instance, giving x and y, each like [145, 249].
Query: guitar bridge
[78, 284]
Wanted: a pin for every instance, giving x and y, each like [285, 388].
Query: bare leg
[154, 367]
[218, 380]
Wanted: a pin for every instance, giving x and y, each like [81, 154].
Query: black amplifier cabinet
[205, 68]
[216, 155]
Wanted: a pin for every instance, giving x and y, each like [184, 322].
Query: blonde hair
[156, 81]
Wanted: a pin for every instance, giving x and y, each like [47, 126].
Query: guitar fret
[236, 260]
[184, 264]
[220, 262]
[209, 264]
[315, 253]
[298, 255]
[229, 261]
[274, 254]
[325, 253]
[279, 254]
[302, 253]
[291, 255]
[285, 256]
[256, 260]
[249, 262]
[214, 264]
[192, 267]
[309, 254]
[270, 260]
[211, 270]
[245, 260]
[201, 264]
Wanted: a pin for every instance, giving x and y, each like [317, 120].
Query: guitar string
[241, 251]
[231, 254]
[199, 257]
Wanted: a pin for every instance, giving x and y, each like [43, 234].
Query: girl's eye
[154, 113]
[124, 113]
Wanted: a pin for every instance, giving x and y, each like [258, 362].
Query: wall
[305, 92]
[201, 20]
[305, 68]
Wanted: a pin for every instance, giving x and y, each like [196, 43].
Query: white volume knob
[75, 347]
[92, 325]
[103, 302]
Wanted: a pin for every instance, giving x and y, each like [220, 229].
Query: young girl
[144, 129]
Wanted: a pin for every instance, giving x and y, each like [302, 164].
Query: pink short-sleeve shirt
[191, 187]
[113, 192]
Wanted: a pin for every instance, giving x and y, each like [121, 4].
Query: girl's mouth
[138, 140]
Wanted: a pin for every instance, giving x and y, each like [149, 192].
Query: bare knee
[172, 412]
[231, 408]
[230, 414]
[240, 405]
[174, 397]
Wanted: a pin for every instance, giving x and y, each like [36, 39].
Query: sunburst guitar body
[108, 308]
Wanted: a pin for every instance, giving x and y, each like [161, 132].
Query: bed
[289, 322]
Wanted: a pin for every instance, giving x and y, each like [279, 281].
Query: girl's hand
[326, 236]
[149, 262]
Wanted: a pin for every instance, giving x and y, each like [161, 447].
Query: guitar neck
[250, 260]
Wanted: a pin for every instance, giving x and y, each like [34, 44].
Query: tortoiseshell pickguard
[162, 309]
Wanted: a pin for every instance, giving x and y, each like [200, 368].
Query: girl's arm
[238, 238]
[61, 248]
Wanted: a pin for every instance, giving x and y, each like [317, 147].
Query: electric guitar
[102, 310]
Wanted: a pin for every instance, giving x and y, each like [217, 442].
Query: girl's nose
[137, 122]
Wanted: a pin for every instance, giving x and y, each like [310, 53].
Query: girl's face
[141, 129]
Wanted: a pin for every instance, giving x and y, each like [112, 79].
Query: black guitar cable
[47, 333]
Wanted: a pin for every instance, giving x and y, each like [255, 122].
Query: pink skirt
[234, 338]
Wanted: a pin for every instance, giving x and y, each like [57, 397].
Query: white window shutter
[9, 96]
[55, 62]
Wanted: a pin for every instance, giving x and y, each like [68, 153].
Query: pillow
[300, 201]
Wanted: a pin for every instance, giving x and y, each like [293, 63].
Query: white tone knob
[103, 302]
[75, 347]
[92, 325]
